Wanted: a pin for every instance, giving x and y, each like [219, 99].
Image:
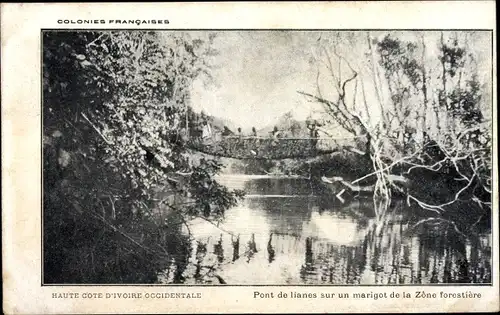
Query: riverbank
[441, 194]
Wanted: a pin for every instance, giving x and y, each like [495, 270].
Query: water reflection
[283, 234]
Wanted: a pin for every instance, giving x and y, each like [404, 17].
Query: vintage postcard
[325, 157]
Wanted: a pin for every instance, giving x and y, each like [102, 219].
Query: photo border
[493, 270]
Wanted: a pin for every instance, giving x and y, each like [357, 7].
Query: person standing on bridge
[255, 142]
[275, 134]
[227, 132]
[206, 132]
[241, 144]
[313, 133]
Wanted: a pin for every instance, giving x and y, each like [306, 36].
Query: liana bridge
[273, 148]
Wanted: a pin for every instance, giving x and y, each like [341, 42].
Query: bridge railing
[266, 147]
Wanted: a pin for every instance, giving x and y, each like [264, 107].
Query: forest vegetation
[119, 182]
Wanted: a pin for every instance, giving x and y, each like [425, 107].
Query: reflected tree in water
[270, 250]
[236, 247]
[219, 250]
[251, 248]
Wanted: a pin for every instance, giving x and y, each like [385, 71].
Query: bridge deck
[269, 148]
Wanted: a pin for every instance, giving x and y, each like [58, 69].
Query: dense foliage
[119, 183]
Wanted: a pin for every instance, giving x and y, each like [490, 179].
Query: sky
[258, 73]
[258, 78]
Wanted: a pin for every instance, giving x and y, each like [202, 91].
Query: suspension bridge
[264, 148]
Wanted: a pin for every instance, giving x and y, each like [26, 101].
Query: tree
[116, 167]
[420, 113]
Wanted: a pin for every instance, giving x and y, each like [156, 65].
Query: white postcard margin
[21, 25]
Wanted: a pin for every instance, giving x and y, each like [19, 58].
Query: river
[285, 233]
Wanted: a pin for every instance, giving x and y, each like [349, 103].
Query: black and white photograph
[267, 157]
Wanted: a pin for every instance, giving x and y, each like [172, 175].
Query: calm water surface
[284, 233]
